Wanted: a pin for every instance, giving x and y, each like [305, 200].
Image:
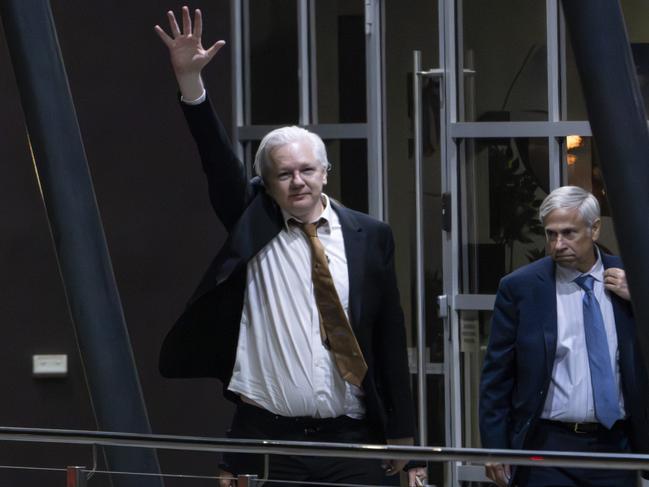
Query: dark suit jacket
[203, 341]
[520, 356]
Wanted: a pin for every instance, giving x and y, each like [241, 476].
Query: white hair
[287, 135]
[571, 197]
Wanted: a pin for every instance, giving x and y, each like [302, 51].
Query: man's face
[570, 241]
[295, 180]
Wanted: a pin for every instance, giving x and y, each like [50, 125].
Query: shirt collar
[326, 215]
[565, 274]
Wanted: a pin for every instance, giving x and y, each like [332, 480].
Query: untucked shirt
[281, 363]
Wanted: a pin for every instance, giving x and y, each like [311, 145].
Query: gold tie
[334, 326]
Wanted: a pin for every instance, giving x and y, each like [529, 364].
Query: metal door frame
[554, 129]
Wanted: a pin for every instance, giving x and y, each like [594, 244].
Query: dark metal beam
[78, 234]
[619, 124]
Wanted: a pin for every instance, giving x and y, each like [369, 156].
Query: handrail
[436, 454]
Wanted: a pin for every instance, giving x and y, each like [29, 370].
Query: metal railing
[77, 475]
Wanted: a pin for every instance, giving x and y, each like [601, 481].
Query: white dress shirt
[570, 395]
[281, 363]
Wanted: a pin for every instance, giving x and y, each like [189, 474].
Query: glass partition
[504, 42]
[347, 180]
[474, 332]
[408, 27]
[273, 62]
[503, 183]
[339, 48]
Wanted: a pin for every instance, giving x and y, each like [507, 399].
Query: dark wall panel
[160, 228]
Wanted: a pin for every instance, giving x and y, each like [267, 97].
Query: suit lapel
[546, 308]
[355, 252]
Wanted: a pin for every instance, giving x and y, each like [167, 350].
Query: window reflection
[273, 62]
[340, 61]
[505, 180]
[347, 180]
[505, 43]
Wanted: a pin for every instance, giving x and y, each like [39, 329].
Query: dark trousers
[252, 422]
[554, 436]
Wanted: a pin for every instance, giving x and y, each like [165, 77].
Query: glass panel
[582, 169]
[503, 183]
[340, 61]
[474, 333]
[636, 16]
[412, 26]
[274, 84]
[421, 18]
[347, 180]
[436, 422]
[504, 41]
[574, 103]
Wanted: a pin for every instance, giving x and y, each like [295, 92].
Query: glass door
[506, 99]
[414, 136]
[500, 122]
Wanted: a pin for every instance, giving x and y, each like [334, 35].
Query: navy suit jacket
[520, 356]
[203, 342]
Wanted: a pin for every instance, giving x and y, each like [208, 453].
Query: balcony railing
[77, 475]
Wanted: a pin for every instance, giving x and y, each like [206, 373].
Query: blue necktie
[607, 409]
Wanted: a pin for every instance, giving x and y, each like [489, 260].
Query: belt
[584, 428]
[308, 423]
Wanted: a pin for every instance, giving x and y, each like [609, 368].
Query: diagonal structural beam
[619, 124]
[78, 235]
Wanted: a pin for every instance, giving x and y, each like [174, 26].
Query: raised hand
[188, 56]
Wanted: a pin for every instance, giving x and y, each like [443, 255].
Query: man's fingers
[198, 24]
[614, 272]
[214, 48]
[490, 471]
[173, 25]
[615, 281]
[163, 35]
[417, 477]
[187, 21]
[498, 473]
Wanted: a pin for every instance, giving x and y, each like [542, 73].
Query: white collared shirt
[281, 363]
[570, 395]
